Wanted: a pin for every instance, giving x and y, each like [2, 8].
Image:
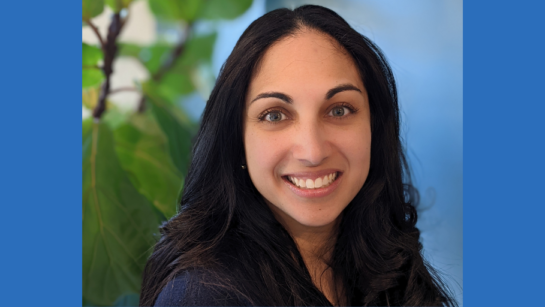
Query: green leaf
[175, 9]
[92, 8]
[198, 49]
[118, 5]
[224, 9]
[91, 55]
[154, 56]
[127, 49]
[86, 302]
[178, 80]
[118, 222]
[178, 131]
[175, 84]
[172, 86]
[131, 299]
[151, 56]
[113, 117]
[143, 151]
[91, 74]
[91, 77]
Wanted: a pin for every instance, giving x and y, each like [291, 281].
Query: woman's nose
[310, 144]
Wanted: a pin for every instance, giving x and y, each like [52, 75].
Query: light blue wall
[422, 39]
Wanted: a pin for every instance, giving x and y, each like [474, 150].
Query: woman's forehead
[307, 60]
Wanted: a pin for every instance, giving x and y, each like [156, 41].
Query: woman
[295, 193]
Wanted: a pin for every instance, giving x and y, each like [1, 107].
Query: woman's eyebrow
[341, 88]
[281, 96]
[287, 99]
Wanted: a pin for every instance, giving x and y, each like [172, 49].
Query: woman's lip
[314, 193]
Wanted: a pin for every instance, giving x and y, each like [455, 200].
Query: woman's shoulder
[199, 287]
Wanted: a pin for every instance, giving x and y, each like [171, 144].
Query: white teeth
[313, 184]
[318, 183]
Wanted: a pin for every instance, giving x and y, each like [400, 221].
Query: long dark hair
[224, 224]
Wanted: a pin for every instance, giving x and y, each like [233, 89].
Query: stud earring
[243, 166]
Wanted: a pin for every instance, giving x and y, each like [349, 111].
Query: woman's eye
[339, 111]
[275, 116]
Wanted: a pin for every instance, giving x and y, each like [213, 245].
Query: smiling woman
[295, 193]
[307, 134]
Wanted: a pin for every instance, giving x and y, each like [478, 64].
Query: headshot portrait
[272, 153]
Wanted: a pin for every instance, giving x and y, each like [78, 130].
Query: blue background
[503, 150]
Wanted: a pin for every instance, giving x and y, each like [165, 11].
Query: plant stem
[95, 29]
[142, 104]
[176, 53]
[110, 50]
[168, 64]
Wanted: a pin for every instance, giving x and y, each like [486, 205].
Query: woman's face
[307, 131]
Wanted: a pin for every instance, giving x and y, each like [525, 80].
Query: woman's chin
[307, 215]
[316, 220]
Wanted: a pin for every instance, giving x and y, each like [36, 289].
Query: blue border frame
[40, 153]
[504, 150]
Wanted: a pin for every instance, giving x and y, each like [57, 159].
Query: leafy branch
[134, 165]
[176, 53]
[95, 30]
[110, 50]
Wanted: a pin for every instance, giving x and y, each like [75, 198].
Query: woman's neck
[315, 244]
[316, 248]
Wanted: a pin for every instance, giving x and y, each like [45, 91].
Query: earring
[243, 166]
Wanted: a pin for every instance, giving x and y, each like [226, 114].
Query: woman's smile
[313, 184]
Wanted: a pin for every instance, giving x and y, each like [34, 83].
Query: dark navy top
[184, 291]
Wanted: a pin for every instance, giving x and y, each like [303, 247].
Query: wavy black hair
[224, 224]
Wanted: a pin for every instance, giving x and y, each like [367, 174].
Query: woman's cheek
[355, 146]
[271, 150]
[263, 152]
